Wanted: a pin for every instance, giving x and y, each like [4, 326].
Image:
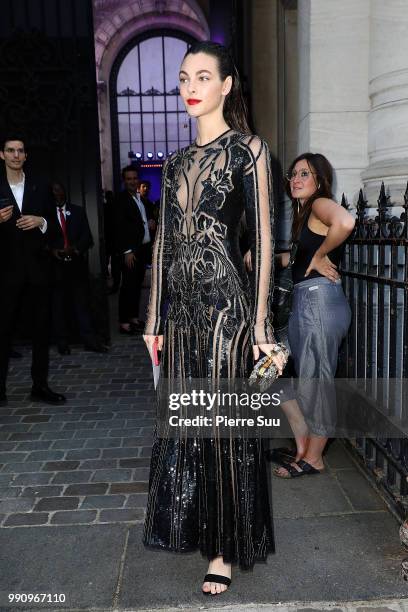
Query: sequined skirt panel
[205, 493]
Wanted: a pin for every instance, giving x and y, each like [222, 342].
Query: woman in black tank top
[309, 242]
[320, 314]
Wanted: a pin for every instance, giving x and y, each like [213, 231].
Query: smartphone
[4, 203]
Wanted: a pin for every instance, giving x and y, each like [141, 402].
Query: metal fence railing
[375, 274]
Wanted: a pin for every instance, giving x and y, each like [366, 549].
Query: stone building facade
[322, 75]
[353, 91]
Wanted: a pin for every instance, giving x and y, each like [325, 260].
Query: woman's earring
[185, 124]
[318, 186]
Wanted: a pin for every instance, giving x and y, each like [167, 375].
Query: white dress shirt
[140, 205]
[18, 193]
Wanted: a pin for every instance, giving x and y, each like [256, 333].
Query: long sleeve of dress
[259, 215]
[162, 252]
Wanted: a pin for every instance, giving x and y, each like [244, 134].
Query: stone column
[388, 90]
[265, 98]
[264, 85]
[333, 44]
[287, 123]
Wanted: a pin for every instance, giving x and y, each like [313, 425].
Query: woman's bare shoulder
[324, 202]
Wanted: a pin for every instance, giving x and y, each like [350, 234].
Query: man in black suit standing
[152, 212]
[24, 214]
[69, 238]
[133, 238]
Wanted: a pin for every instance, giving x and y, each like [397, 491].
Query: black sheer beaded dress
[211, 494]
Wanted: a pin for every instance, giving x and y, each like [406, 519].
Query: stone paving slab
[361, 606]
[315, 495]
[317, 559]
[82, 562]
[358, 491]
[341, 490]
[106, 567]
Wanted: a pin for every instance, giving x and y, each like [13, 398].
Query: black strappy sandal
[216, 578]
[305, 470]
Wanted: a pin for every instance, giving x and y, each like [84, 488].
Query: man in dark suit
[133, 224]
[152, 212]
[69, 238]
[24, 270]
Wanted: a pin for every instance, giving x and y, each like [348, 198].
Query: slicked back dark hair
[235, 110]
[12, 136]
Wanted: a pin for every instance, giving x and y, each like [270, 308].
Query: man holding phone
[25, 205]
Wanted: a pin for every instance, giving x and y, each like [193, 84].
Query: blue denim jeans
[318, 323]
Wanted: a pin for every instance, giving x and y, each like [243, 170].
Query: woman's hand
[149, 341]
[130, 260]
[324, 266]
[278, 358]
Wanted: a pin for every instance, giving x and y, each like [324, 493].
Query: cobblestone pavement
[73, 487]
[87, 461]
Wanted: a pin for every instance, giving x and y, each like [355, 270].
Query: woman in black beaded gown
[206, 493]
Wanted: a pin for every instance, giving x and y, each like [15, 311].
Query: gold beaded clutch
[265, 372]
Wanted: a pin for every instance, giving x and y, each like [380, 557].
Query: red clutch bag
[156, 352]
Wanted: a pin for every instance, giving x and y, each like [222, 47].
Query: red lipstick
[192, 101]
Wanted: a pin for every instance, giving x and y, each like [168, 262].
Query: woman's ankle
[220, 562]
[302, 444]
[316, 462]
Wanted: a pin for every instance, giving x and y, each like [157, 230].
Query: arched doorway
[148, 119]
[118, 24]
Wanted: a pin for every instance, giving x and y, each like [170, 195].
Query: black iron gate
[375, 271]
